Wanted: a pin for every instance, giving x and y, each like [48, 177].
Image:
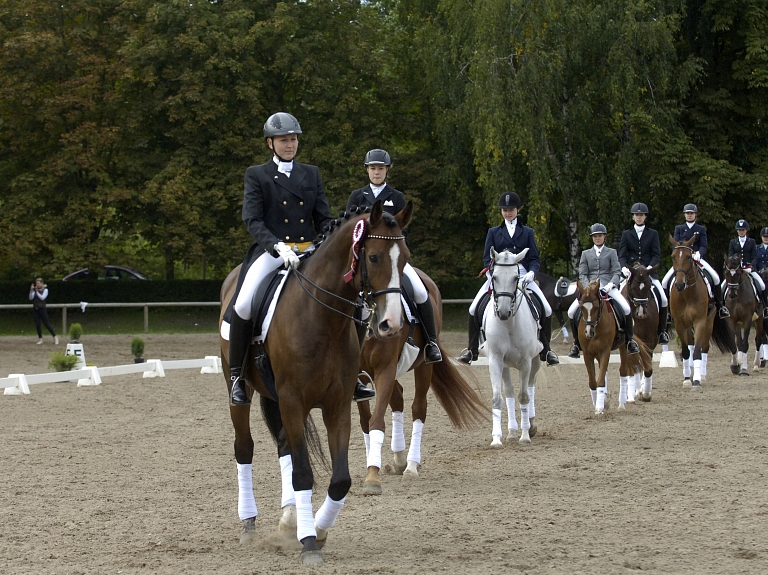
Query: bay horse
[313, 348]
[645, 313]
[741, 301]
[598, 335]
[560, 294]
[696, 319]
[381, 359]
[511, 340]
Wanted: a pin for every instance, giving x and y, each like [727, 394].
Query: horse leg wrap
[632, 387]
[532, 406]
[696, 370]
[367, 440]
[286, 475]
[305, 524]
[593, 392]
[525, 421]
[374, 455]
[600, 401]
[648, 385]
[414, 452]
[496, 431]
[398, 437]
[624, 387]
[511, 416]
[704, 358]
[328, 513]
[764, 350]
[246, 503]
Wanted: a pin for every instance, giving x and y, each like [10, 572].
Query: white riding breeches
[660, 292]
[533, 286]
[758, 280]
[614, 294]
[263, 265]
[420, 293]
[709, 269]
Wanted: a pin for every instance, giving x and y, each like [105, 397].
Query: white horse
[511, 333]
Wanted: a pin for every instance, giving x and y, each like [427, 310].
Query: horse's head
[733, 274]
[682, 262]
[382, 257]
[591, 304]
[639, 289]
[505, 273]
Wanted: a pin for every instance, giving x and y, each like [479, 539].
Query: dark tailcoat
[498, 237]
[646, 250]
[392, 200]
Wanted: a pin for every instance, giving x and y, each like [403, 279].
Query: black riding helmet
[639, 208]
[281, 124]
[742, 225]
[764, 232]
[509, 200]
[598, 229]
[690, 208]
[377, 157]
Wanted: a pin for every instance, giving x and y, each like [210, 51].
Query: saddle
[535, 305]
[564, 287]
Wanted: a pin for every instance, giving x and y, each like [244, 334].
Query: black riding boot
[663, 314]
[431, 350]
[717, 291]
[362, 391]
[764, 299]
[470, 354]
[239, 339]
[545, 336]
[629, 334]
[576, 349]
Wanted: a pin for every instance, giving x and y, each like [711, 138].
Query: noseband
[734, 286]
[690, 271]
[637, 301]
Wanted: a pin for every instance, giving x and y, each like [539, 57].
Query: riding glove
[625, 271]
[527, 278]
[608, 287]
[288, 255]
[696, 256]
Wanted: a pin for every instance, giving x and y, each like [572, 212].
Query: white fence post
[22, 388]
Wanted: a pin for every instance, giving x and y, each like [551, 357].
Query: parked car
[108, 273]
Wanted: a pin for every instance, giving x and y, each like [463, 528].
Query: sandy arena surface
[138, 476]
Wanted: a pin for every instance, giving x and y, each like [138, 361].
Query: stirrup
[238, 395]
[723, 312]
[575, 352]
[663, 337]
[467, 356]
[362, 391]
[432, 353]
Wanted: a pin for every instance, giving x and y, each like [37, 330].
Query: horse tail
[723, 335]
[465, 408]
[270, 411]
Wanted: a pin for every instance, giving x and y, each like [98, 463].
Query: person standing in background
[38, 293]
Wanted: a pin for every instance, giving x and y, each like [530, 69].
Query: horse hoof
[598, 412]
[314, 557]
[511, 435]
[744, 373]
[322, 537]
[400, 461]
[525, 438]
[696, 385]
[646, 397]
[763, 362]
[735, 369]
[372, 488]
[623, 406]
[412, 471]
[248, 533]
[532, 431]
[288, 520]
[496, 443]
[687, 382]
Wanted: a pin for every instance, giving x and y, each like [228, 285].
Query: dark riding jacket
[499, 238]
[684, 233]
[762, 257]
[279, 208]
[748, 253]
[392, 200]
[646, 250]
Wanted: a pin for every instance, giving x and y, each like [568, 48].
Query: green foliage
[75, 332]
[137, 347]
[61, 362]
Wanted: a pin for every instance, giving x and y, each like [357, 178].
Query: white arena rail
[18, 383]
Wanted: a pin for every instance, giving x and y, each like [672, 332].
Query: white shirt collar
[743, 240]
[639, 229]
[690, 224]
[378, 189]
[598, 249]
[283, 167]
[511, 225]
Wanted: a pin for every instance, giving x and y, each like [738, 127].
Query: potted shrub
[137, 349]
[61, 362]
[75, 332]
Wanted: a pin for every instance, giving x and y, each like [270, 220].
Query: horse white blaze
[589, 331]
[392, 309]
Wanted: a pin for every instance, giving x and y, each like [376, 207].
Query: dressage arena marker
[18, 383]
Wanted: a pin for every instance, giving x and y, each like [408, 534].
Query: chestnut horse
[645, 314]
[598, 336]
[741, 301]
[380, 358]
[696, 319]
[314, 350]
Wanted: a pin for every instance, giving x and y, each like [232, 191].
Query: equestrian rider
[685, 232]
[601, 262]
[515, 237]
[284, 205]
[762, 251]
[377, 164]
[641, 244]
[747, 250]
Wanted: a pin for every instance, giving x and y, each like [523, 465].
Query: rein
[497, 294]
[689, 271]
[600, 306]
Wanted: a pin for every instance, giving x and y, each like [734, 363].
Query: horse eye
[373, 258]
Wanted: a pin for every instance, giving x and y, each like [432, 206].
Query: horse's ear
[521, 256]
[376, 213]
[672, 241]
[654, 268]
[689, 242]
[494, 253]
[579, 286]
[403, 217]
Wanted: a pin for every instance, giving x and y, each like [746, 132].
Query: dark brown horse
[696, 319]
[598, 336]
[379, 358]
[645, 313]
[741, 301]
[314, 350]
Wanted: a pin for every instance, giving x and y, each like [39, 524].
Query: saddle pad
[271, 309]
[409, 354]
